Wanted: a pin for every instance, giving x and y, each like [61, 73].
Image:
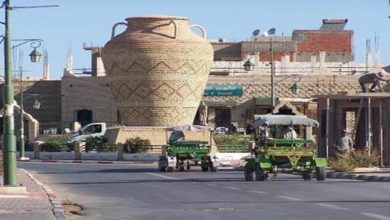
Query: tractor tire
[248, 174]
[320, 173]
[205, 168]
[307, 175]
[260, 174]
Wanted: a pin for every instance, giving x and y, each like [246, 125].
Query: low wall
[156, 135]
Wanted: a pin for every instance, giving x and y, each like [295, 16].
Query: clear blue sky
[89, 21]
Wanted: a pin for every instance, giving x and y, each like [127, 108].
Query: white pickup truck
[90, 130]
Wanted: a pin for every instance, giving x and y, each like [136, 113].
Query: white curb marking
[258, 192]
[13, 196]
[231, 187]
[163, 176]
[290, 198]
[330, 206]
[376, 216]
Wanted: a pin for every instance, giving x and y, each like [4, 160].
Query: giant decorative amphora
[157, 70]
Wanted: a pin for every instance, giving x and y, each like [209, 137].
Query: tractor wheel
[307, 175]
[248, 174]
[260, 174]
[205, 168]
[320, 173]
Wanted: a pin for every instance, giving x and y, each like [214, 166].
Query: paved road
[140, 192]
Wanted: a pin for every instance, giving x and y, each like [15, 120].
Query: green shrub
[354, 159]
[231, 139]
[135, 145]
[95, 144]
[361, 158]
[340, 165]
[54, 144]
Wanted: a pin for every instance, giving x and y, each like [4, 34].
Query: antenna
[256, 32]
[271, 31]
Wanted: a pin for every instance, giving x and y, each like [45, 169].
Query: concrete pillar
[78, 148]
[120, 152]
[322, 58]
[37, 150]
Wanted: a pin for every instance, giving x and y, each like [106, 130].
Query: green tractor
[182, 154]
[277, 147]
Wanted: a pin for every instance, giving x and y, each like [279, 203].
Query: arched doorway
[84, 116]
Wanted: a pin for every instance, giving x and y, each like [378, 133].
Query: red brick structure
[335, 43]
[331, 41]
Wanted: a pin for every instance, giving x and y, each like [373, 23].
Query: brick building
[331, 43]
[307, 58]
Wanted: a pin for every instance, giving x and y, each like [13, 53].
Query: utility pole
[9, 139]
[9, 151]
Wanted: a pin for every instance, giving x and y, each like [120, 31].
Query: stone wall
[48, 94]
[90, 93]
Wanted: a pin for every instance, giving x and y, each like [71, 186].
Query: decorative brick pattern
[157, 71]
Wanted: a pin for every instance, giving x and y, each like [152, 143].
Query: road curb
[346, 175]
[55, 202]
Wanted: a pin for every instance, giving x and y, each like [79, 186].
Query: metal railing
[242, 148]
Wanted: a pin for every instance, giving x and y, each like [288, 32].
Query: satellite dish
[271, 31]
[256, 32]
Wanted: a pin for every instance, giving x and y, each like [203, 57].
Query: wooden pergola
[365, 116]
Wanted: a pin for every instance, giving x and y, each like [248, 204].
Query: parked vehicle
[272, 152]
[181, 153]
[90, 130]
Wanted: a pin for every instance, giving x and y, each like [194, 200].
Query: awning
[188, 128]
[266, 120]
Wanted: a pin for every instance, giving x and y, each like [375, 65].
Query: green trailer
[183, 154]
[272, 153]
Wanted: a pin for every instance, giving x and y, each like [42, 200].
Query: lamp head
[248, 65]
[35, 56]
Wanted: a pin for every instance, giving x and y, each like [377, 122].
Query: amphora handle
[114, 27]
[175, 26]
[204, 34]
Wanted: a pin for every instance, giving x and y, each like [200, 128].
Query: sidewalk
[38, 203]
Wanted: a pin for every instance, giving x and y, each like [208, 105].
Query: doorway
[84, 116]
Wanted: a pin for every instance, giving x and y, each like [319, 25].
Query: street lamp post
[9, 139]
[34, 57]
[9, 150]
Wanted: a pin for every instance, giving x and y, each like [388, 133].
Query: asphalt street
[130, 191]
